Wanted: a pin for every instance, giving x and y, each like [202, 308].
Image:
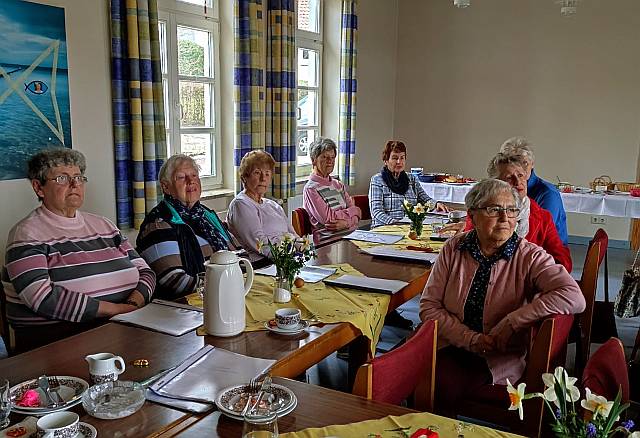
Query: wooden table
[294, 354]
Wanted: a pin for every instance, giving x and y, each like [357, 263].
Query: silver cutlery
[54, 387]
[251, 389]
[265, 388]
[43, 383]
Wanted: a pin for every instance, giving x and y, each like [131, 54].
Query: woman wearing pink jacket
[486, 289]
[331, 209]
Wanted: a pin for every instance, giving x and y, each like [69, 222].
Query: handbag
[628, 300]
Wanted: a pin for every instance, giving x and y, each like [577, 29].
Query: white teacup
[58, 425]
[287, 319]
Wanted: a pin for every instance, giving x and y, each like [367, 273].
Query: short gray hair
[486, 190]
[169, 166]
[320, 145]
[501, 159]
[41, 163]
[518, 146]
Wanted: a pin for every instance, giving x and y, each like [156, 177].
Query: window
[309, 45]
[189, 41]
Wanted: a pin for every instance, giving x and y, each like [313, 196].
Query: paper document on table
[427, 220]
[414, 256]
[373, 237]
[164, 317]
[369, 284]
[205, 373]
[310, 274]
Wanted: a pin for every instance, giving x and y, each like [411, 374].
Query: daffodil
[418, 209]
[596, 404]
[572, 393]
[515, 397]
[634, 435]
[259, 245]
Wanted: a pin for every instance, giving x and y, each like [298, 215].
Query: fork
[254, 385]
[54, 386]
[265, 388]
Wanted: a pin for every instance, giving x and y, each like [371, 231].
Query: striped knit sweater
[59, 268]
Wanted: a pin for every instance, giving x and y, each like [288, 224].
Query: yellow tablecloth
[390, 427]
[318, 303]
[402, 244]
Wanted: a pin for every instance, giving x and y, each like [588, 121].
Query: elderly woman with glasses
[331, 209]
[253, 218]
[392, 186]
[179, 233]
[65, 268]
[487, 287]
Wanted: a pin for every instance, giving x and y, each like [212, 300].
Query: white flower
[596, 404]
[515, 397]
[572, 393]
[634, 435]
[418, 209]
[287, 237]
[406, 203]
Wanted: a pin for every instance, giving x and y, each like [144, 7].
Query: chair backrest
[301, 221]
[362, 201]
[606, 371]
[410, 368]
[596, 252]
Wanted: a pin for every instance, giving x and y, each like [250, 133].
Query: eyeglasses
[65, 180]
[494, 211]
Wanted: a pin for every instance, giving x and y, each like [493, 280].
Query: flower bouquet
[289, 255]
[598, 416]
[416, 214]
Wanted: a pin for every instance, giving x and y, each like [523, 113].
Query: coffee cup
[287, 319]
[58, 425]
[456, 216]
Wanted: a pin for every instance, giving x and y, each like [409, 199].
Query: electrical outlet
[600, 220]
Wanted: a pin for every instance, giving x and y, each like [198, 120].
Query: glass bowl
[112, 400]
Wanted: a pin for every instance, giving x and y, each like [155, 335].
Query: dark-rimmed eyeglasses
[65, 180]
[495, 211]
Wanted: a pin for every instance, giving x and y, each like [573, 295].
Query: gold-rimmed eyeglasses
[495, 211]
[65, 180]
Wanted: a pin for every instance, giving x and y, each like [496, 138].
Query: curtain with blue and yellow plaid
[249, 93]
[138, 108]
[281, 102]
[348, 89]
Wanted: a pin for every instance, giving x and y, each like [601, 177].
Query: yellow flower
[515, 397]
[418, 209]
[596, 404]
[259, 245]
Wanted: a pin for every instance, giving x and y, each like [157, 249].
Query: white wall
[468, 79]
[88, 48]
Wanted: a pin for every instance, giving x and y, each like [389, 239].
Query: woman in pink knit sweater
[486, 289]
[331, 209]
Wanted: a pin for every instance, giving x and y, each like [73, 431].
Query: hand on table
[338, 225]
[107, 309]
[441, 207]
[457, 227]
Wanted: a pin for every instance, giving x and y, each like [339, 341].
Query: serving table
[294, 354]
[601, 204]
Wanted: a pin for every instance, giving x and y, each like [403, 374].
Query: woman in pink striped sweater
[331, 209]
[65, 269]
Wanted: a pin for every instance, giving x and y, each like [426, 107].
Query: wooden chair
[581, 332]
[548, 349]
[362, 201]
[301, 221]
[406, 370]
[606, 371]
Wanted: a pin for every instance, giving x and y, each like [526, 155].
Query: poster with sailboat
[34, 84]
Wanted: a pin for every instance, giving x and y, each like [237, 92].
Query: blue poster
[34, 84]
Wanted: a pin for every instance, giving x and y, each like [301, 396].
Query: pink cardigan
[524, 290]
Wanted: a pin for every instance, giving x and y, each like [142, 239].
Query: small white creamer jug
[225, 289]
[104, 367]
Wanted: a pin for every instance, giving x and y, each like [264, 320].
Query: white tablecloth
[586, 203]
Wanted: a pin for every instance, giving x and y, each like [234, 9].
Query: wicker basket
[602, 182]
[626, 186]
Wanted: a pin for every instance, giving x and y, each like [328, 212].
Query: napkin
[29, 424]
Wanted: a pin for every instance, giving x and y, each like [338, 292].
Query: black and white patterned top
[474, 306]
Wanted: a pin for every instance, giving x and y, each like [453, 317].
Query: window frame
[178, 14]
[312, 41]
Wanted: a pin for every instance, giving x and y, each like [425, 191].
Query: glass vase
[415, 230]
[282, 290]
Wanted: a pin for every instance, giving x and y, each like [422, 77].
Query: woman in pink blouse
[331, 209]
[487, 287]
[251, 216]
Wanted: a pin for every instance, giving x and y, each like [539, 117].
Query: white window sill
[217, 193]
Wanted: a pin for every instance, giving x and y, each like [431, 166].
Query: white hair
[486, 190]
[518, 146]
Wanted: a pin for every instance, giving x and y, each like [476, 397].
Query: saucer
[302, 326]
[71, 390]
[85, 430]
